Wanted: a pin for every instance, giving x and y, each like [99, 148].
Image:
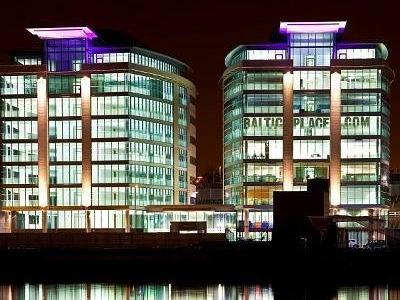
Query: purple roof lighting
[63, 32]
[312, 27]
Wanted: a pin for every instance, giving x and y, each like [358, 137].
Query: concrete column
[335, 134]
[5, 221]
[44, 220]
[87, 221]
[373, 225]
[13, 221]
[9, 222]
[287, 131]
[43, 141]
[176, 144]
[86, 142]
[127, 221]
[246, 223]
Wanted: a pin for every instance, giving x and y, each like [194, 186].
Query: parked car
[353, 244]
[375, 245]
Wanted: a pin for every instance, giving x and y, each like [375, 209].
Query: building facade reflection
[108, 291]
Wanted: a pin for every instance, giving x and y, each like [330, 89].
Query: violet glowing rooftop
[312, 27]
[63, 32]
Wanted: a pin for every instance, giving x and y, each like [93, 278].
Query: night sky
[200, 33]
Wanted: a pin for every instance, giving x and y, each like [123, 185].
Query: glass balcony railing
[20, 158]
[360, 177]
[263, 178]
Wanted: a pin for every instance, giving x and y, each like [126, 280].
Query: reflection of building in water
[175, 292]
[367, 292]
[312, 106]
[130, 292]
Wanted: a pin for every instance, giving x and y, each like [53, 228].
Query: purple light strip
[63, 32]
[312, 27]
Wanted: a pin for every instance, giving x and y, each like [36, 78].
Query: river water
[156, 291]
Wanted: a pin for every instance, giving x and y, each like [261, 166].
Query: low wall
[103, 240]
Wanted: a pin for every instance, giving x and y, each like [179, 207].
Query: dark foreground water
[126, 291]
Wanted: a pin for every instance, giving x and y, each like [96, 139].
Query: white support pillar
[176, 144]
[287, 131]
[43, 142]
[86, 142]
[335, 134]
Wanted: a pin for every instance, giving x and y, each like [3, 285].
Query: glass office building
[311, 106]
[92, 134]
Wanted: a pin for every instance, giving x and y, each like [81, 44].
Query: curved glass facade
[140, 57]
[345, 141]
[87, 145]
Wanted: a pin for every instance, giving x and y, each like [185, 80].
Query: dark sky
[201, 32]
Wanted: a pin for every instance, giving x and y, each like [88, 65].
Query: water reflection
[99, 291]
